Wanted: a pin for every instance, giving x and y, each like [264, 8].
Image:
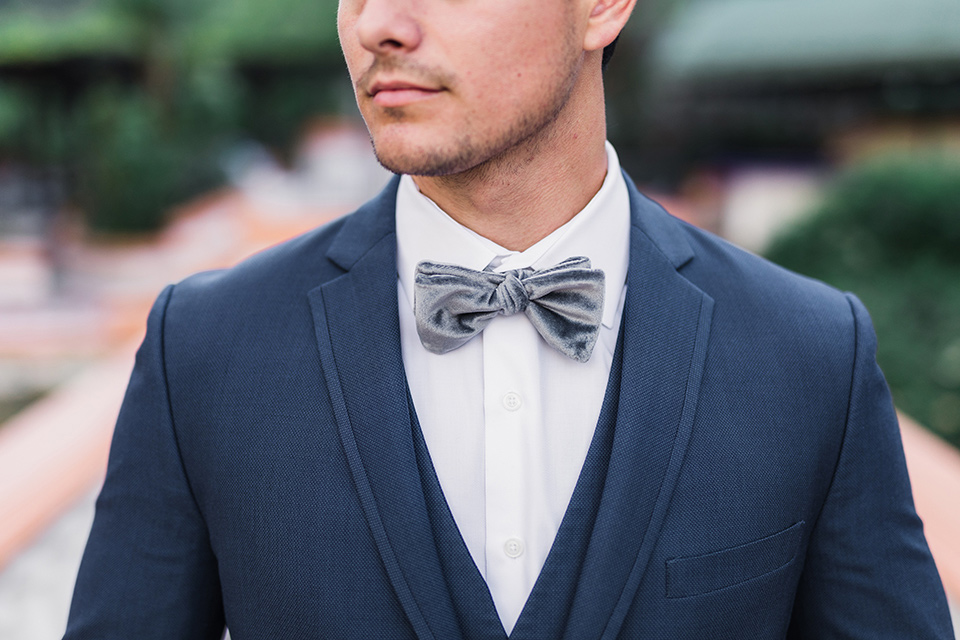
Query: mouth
[398, 93]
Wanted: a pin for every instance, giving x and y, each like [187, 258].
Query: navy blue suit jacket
[262, 472]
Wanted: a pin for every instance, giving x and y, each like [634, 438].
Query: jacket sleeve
[148, 570]
[868, 572]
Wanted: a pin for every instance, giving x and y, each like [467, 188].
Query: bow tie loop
[564, 303]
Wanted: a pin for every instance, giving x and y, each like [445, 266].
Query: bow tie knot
[510, 295]
[564, 303]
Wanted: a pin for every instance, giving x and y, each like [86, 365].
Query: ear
[607, 19]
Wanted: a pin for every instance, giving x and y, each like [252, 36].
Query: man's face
[446, 85]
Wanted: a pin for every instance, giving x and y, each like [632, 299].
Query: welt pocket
[695, 575]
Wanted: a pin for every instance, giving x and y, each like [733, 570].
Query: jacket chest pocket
[696, 575]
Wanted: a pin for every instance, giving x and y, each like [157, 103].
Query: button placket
[511, 384]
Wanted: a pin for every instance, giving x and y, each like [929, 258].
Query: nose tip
[384, 26]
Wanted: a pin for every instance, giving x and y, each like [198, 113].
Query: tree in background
[889, 231]
[133, 103]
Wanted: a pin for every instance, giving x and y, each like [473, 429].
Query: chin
[416, 160]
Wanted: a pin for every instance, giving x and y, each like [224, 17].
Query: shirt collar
[600, 231]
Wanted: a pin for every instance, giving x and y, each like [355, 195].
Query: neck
[525, 193]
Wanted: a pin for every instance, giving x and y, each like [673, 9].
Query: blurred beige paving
[56, 449]
[935, 477]
[36, 587]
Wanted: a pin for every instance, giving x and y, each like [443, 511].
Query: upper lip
[398, 85]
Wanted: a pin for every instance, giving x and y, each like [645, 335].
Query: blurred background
[143, 140]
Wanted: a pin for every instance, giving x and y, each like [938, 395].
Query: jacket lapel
[665, 329]
[358, 337]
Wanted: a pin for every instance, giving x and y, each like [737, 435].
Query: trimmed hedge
[889, 231]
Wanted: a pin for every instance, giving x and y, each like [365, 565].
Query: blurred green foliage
[35, 34]
[137, 163]
[137, 101]
[13, 110]
[291, 30]
[889, 231]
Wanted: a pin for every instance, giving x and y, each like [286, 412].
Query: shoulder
[263, 303]
[289, 269]
[750, 284]
[747, 289]
[782, 347]
[281, 276]
[212, 319]
[770, 330]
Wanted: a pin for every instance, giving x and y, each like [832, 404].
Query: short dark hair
[608, 53]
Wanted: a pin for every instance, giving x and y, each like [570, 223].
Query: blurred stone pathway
[36, 587]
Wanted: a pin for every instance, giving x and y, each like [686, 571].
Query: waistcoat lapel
[472, 602]
[545, 613]
[664, 331]
[358, 338]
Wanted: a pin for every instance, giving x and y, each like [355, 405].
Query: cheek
[521, 76]
[355, 57]
[349, 45]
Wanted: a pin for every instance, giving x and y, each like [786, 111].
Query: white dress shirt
[507, 419]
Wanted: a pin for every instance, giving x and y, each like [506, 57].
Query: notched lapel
[358, 337]
[666, 327]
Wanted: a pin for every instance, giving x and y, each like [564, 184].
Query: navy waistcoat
[545, 613]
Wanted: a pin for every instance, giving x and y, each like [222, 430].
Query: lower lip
[402, 97]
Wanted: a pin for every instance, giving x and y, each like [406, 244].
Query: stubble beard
[469, 155]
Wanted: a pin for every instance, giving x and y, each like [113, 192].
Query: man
[320, 442]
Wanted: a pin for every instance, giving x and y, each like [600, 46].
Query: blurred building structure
[819, 76]
[798, 87]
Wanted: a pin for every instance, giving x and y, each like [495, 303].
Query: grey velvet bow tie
[565, 303]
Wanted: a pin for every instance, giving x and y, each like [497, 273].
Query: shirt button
[512, 401]
[513, 548]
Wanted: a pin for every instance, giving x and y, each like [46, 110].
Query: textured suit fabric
[263, 472]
